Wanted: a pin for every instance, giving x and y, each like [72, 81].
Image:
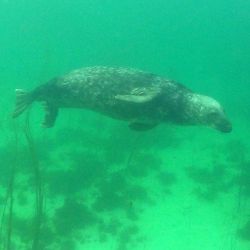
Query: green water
[104, 186]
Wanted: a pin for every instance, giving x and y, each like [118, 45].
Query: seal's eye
[212, 116]
[213, 113]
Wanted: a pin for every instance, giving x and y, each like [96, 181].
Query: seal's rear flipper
[51, 112]
[23, 101]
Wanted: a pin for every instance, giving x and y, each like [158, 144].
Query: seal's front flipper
[141, 126]
[140, 95]
[51, 112]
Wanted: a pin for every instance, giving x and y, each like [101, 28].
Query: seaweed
[111, 193]
[209, 182]
[243, 179]
[120, 145]
[23, 228]
[236, 151]
[166, 180]
[112, 227]
[73, 216]
[6, 237]
[244, 232]
[206, 176]
[127, 237]
[117, 194]
[142, 163]
[39, 192]
[164, 135]
[67, 245]
[110, 200]
[85, 171]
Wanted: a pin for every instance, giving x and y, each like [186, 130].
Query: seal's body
[143, 99]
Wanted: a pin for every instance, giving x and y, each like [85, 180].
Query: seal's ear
[140, 95]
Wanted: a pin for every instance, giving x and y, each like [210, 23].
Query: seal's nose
[225, 127]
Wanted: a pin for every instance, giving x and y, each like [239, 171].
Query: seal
[141, 98]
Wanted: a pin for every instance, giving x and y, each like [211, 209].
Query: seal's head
[207, 111]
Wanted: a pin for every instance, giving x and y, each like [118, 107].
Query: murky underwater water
[91, 182]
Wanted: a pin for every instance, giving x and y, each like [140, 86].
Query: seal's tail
[23, 101]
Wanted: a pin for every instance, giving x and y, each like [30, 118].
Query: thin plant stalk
[9, 200]
[38, 186]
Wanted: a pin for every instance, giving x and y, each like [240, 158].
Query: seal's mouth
[219, 121]
[224, 126]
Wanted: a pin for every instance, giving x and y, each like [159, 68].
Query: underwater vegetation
[210, 182]
[236, 151]
[95, 188]
[116, 194]
[128, 236]
[84, 170]
[219, 178]
[141, 164]
[242, 180]
[244, 232]
[8, 159]
[166, 180]
[72, 216]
